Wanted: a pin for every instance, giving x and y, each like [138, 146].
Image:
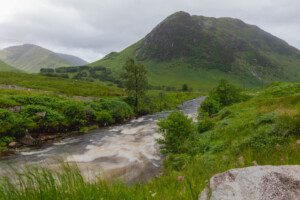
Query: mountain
[75, 61]
[199, 51]
[31, 58]
[5, 67]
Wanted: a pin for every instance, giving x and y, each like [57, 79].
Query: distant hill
[5, 67]
[31, 58]
[199, 51]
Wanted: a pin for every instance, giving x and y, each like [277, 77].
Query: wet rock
[28, 140]
[47, 137]
[255, 183]
[14, 144]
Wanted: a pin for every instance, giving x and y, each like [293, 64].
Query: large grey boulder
[255, 183]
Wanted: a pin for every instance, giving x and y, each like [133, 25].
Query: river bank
[128, 151]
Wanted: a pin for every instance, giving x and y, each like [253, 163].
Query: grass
[263, 130]
[63, 86]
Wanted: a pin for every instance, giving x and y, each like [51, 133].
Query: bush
[104, 118]
[176, 129]
[45, 118]
[78, 115]
[209, 106]
[226, 93]
[13, 124]
[119, 110]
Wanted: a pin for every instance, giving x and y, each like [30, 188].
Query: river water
[127, 151]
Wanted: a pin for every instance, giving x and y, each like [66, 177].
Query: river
[127, 151]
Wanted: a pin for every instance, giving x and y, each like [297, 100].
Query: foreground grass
[262, 130]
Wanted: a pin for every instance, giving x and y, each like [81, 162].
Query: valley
[199, 108]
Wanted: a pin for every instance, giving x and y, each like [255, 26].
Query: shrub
[209, 106]
[104, 118]
[176, 129]
[45, 118]
[226, 93]
[119, 110]
[14, 124]
[77, 114]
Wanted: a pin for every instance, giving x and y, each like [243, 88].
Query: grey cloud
[93, 28]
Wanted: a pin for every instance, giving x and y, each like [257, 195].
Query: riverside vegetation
[233, 130]
[38, 105]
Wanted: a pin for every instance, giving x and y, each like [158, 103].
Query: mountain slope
[200, 50]
[5, 67]
[73, 60]
[31, 58]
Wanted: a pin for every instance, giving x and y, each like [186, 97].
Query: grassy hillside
[5, 67]
[200, 50]
[68, 87]
[264, 129]
[31, 58]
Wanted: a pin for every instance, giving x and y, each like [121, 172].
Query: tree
[135, 81]
[226, 93]
[185, 88]
[176, 129]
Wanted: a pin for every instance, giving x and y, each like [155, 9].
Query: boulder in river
[255, 183]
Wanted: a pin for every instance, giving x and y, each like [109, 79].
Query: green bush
[14, 124]
[119, 110]
[44, 118]
[176, 129]
[226, 93]
[77, 114]
[104, 118]
[209, 106]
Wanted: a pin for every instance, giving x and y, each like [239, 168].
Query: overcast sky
[92, 28]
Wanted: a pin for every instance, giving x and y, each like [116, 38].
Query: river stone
[28, 140]
[255, 183]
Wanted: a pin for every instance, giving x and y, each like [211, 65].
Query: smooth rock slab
[255, 183]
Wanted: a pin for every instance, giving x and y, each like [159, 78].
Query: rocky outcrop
[255, 183]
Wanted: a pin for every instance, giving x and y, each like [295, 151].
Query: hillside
[5, 67]
[200, 50]
[31, 58]
[263, 130]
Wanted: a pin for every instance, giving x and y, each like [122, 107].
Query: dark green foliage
[185, 88]
[43, 117]
[104, 118]
[135, 81]
[226, 93]
[210, 106]
[176, 129]
[119, 110]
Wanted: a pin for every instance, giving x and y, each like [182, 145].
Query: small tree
[176, 129]
[185, 88]
[135, 81]
[226, 93]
